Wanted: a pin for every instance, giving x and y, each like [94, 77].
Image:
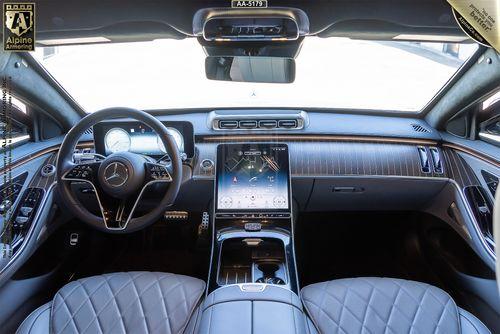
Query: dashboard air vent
[258, 124]
[260, 119]
[419, 128]
[424, 159]
[287, 124]
[248, 124]
[268, 124]
[228, 124]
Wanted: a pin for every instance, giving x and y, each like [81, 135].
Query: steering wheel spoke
[116, 213]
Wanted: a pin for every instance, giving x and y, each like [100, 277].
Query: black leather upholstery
[135, 302]
[385, 305]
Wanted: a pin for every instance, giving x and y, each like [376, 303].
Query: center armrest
[253, 292]
[254, 308]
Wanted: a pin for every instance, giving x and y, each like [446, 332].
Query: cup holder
[269, 276]
[268, 269]
[243, 262]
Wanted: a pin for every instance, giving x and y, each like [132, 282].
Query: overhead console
[253, 236]
[274, 32]
[257, 24]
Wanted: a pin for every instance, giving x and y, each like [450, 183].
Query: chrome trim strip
[489, 136]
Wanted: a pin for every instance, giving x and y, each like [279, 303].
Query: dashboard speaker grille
[420, 128]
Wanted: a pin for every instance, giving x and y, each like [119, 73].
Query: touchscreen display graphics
[252, 176]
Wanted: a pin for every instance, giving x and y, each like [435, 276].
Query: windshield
[330, 73]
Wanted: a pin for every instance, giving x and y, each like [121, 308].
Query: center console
[252, 230]
[253, 277]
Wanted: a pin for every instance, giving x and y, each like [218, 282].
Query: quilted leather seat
[385, 305]
[133, 302]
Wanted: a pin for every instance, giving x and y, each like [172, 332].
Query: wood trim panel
[474, 153]
[340, 158]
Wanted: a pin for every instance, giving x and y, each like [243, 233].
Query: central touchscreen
[252, 177]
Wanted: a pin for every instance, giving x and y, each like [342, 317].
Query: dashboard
[112, 137]
[253, 177]
[333, 161]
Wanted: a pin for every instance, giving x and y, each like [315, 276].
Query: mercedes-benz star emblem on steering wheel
[116, 174]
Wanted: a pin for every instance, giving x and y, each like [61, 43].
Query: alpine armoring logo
[19, 26]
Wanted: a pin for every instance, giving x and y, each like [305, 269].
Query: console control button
[25, 210]
[207, 165]
[21, 220]
[253, 227]
[5, 205]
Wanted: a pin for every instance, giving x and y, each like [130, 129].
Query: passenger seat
[385, 305]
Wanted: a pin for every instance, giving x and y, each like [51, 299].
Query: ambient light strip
[275, 138]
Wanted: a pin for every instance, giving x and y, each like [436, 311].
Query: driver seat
[128, 302]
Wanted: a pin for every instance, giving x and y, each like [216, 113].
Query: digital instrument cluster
[135, 137]
[253, 177]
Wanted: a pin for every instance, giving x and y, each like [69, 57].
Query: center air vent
[257, 124]
[260, 120]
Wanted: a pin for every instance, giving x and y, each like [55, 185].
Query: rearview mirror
[250, 69]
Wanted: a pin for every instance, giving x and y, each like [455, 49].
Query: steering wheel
[496, 232]
[119, 180]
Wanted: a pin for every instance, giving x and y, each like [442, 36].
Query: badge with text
[479, 19]
[249, 3]
[18, 26]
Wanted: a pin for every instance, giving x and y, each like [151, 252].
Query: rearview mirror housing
[251, 69]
